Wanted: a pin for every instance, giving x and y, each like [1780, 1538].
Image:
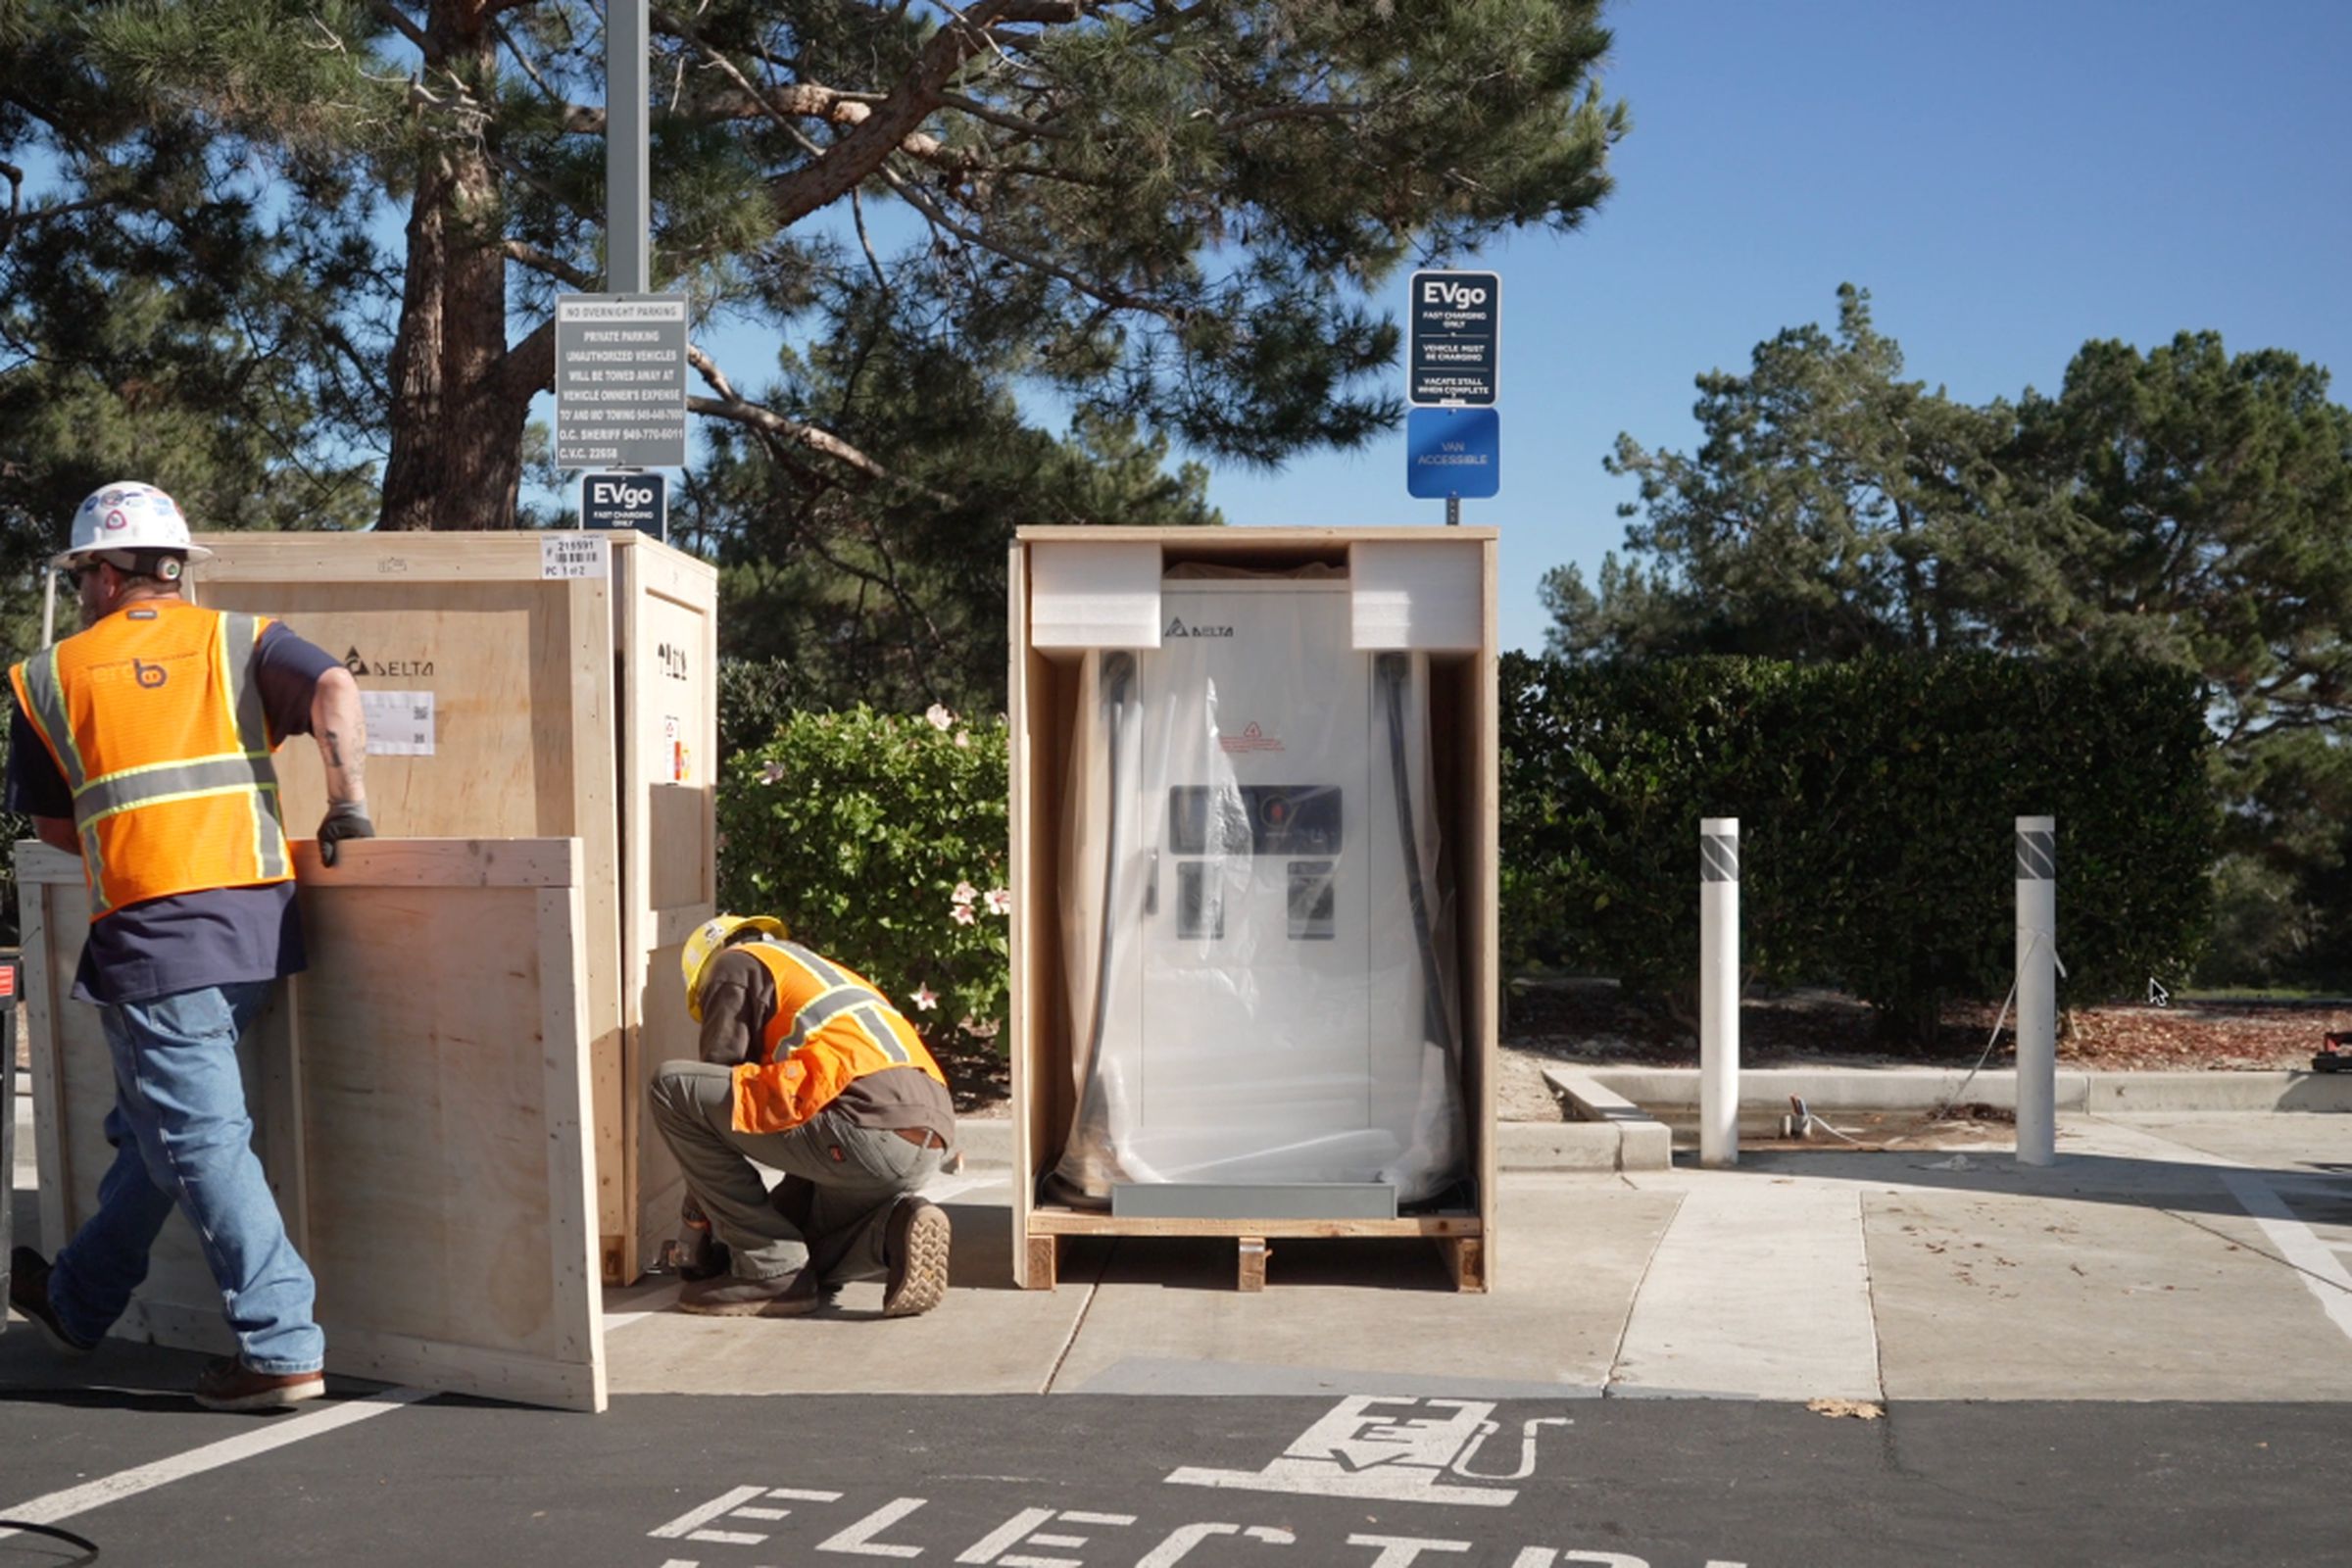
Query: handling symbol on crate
[1359, 1449]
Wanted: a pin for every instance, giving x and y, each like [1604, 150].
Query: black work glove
[345, 819]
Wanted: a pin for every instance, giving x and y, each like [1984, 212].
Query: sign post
[629, 181]
[1454, 437]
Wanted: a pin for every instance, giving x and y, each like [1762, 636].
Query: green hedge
[1875, 801]
[867, 833]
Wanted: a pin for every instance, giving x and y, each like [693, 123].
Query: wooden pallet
[1461, 1238]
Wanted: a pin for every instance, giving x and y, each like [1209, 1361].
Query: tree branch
[811, 101]
[1118, 299]
[863, 150]
[979, 111]
[539, 261]
[857, 214]
[400, 22]
[729, 405]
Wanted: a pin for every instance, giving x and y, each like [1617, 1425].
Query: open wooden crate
[421, 1107]
[1426, 588]
[534, 685]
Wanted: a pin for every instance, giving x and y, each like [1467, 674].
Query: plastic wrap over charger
[1258, 934]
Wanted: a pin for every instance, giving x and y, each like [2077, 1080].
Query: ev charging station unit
[1253, 786]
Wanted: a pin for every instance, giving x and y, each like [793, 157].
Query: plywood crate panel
[529, 685]
[422, 1109]
[1431, 589]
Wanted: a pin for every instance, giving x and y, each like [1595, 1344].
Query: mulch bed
[1588, 1020]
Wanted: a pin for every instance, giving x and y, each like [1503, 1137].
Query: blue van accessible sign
[1453, 452]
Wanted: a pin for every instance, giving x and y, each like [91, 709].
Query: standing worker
[142, 744]
[807, 1070]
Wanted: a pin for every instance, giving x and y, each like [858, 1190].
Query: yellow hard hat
[703, 945]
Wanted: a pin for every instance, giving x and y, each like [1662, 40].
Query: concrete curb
[1612, 1131]
[1921, 1088]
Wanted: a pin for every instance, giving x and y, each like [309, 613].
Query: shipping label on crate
[571, 554]
[675, 765]
[399, 723]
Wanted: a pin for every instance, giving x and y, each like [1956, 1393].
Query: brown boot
[915, 1246]
[794, 1295]
[228, 1383]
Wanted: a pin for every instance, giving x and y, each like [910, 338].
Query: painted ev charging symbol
[1362, 1451]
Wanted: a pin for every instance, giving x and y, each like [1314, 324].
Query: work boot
[28, 1293]
[914, 1246]
[794, 1295]
[228, 1383]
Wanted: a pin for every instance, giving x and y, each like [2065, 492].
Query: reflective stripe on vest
[237, 770]
[807, 1057]
[844, 994]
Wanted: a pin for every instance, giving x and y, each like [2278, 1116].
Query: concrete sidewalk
[2190, 1255]
[2177, 1255]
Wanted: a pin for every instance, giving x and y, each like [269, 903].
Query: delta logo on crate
[1177, 628]
[1250, 739]
[359, 664]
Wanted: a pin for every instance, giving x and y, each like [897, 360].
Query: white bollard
[2037, 990]
[1719, 990]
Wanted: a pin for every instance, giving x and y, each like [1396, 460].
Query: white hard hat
[128, 516]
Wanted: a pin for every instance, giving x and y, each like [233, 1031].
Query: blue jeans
[181, 1138]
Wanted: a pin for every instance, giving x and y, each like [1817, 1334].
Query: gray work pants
[840, 1181]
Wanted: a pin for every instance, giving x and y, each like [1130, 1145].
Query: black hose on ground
[87, 1546]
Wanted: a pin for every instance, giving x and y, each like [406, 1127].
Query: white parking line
[2298, 1243]
[278, 1433]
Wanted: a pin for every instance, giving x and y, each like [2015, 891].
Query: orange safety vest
[155, 717]
[829, 1029]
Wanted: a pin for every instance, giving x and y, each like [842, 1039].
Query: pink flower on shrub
[999, 901]
[964, 739]
[925, 997]
[940, 717]
[965, 892]
[771, 772]
[961, 914]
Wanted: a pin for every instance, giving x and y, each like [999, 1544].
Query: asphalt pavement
[2141, 1353]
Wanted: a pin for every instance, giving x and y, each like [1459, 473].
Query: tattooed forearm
[339, 723]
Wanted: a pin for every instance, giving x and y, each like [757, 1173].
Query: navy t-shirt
[213, 938]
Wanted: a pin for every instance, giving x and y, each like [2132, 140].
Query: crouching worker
[807, 1070]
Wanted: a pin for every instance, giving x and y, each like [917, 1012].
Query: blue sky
[2008, 179]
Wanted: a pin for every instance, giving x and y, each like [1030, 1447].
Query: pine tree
[1161, 212]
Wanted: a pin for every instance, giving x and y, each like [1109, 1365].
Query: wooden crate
[571, 683]
[1412, 583]
[421, 1105]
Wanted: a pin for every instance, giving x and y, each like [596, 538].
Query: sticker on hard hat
[115, 519]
